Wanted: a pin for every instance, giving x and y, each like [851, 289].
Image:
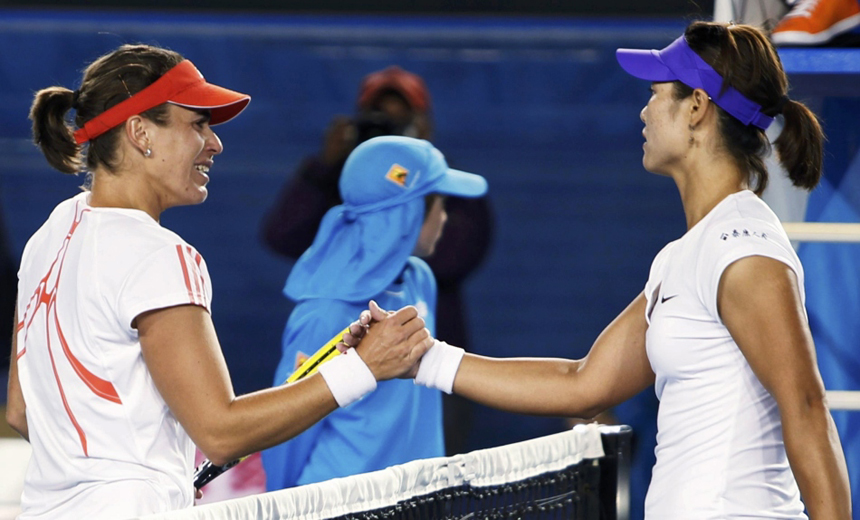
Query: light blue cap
[363, 244]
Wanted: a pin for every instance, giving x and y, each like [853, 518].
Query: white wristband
[439, 367]
[348, 378]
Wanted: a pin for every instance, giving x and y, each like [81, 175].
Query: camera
[375, 124]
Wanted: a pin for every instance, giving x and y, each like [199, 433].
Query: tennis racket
[206, 471]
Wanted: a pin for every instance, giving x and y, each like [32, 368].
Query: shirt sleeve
[729, 242]
[172, 275]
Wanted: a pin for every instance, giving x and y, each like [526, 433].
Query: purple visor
[678, 62]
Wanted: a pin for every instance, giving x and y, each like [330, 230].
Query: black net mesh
[572, 493]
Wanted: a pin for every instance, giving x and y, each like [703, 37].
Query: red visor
[182, 85]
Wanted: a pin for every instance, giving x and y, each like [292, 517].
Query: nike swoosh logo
[667, 298]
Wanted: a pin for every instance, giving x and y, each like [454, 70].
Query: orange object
[813, 22]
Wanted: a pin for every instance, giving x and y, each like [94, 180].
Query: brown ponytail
[747, 61]
[107, 81]
[800, 145]
[52, 133]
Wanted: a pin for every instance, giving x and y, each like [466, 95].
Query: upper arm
[759, 302]
[181, 351]
[617, 367]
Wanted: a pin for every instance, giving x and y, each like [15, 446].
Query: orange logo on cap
[397, 174]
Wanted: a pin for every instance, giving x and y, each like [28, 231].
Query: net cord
[385, 488]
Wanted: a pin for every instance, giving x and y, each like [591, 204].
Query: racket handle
[206, 471]
[325, 353]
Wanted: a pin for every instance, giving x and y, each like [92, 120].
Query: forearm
[817, 461]
[615, 369]
[526, 385]
[256, 421]
[16, 409]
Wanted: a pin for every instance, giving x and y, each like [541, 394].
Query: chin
[200, 197]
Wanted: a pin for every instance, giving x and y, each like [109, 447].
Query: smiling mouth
[202, 168]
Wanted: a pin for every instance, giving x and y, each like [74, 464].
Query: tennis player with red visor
[116, 369]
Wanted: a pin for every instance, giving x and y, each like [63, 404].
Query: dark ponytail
[52, 133]
[800, 145]
[108, 81]
[747, 61]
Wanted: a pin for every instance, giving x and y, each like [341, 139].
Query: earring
[692, 139]
[148, 152]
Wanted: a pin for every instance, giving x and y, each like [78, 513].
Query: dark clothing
[8, 293]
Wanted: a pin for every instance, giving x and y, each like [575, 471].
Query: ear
[136, 131]
[699, 108]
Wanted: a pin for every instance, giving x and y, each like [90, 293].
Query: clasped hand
[391, 343]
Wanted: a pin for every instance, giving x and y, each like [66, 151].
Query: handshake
[383, 345]
[380, 345]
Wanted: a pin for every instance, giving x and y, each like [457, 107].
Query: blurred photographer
[390, 102]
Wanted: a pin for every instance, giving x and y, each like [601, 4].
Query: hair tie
[75, 95]
[780, 105]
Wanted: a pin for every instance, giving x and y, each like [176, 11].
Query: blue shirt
[396, 423]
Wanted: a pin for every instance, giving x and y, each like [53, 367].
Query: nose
[642, 113]
[213, 143]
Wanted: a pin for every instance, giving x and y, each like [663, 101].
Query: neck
[117, 190]
[704, 185]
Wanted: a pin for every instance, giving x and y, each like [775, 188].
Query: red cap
[182, 85]
[407, 84]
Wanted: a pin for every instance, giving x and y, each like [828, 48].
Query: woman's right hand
[391, 343]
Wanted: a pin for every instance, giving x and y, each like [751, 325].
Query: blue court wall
[538, 106]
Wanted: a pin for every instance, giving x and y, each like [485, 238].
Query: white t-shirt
[105, 444]
[720, 451]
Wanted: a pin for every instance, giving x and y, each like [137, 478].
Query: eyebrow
[203, 116]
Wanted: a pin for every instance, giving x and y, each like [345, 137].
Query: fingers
[356, 330]
[364, 318]
[403, 315]
[421, 341]
[376, 312]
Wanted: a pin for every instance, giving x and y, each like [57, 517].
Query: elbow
[805, 408]
[221, 445]
[218, 452]
[17, 419]
[590, 411]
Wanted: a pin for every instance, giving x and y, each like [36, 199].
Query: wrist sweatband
[439, 367]
[348, 378]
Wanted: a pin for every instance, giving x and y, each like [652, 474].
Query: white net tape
[387, 487]
[822, 231]
[843, 400]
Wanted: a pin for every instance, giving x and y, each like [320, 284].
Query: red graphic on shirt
[46, 294]
[190, 260]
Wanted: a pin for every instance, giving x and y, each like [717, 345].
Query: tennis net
[581, 474]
